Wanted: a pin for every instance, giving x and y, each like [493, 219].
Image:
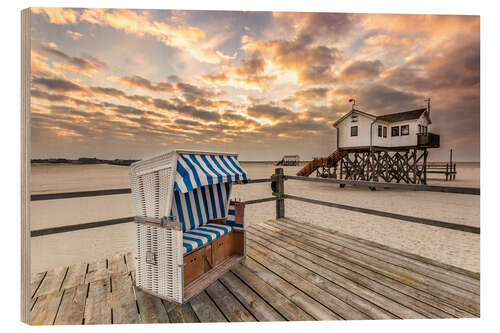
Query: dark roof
[402, 116]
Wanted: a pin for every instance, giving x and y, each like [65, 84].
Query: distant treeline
[83, 160]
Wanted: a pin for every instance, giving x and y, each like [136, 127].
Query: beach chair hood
[195, 170]
[192, 186]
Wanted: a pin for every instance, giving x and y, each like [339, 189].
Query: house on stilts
[392, 147]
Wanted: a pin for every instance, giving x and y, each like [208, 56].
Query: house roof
[390, 118]
[351, 112]
[402, 116]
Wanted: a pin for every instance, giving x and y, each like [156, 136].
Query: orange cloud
[39, 64]
[312, 63]
[58, 15]
[74, 34]
[187, 38]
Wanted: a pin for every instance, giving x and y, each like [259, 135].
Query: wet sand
[448, 246]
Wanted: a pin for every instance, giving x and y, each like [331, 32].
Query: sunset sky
[133, 83]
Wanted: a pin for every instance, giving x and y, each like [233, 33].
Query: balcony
[429, 140]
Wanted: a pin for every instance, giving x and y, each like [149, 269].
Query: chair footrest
[205, 280]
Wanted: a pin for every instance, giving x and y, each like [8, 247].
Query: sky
[117, 83]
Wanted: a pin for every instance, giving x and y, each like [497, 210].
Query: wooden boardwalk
[292, 272]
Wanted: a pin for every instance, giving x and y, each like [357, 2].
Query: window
[354, 131]
[425, 130]
[354, 118]
[385, 131]
[395, 131]
[379, 131]
[405, 130]
[420, 129]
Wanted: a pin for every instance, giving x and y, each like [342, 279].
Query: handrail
[96, 193]
[412, 187]
[278, 197]
[80, 194]
[105, 223]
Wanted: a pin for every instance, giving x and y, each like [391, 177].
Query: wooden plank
[52, 281]
[96, 271]
[201, 283]
[151, 309]
[205, 309]
[228, 304]
[182, 314]
[363, 299]
[356, 272]
[261, 310]
[307, 303]
[123, 304]
[283, 305]
[75, 276]
[446, 289]
[117, 265]
[45, 309]
[429, 292]
[72, 308]
[279, 266]
[97, 306]
[82, 226]
[474, 276]
[372, 290]
[36, 281]
[437, 272]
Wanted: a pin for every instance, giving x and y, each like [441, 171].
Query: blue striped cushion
[195, 238]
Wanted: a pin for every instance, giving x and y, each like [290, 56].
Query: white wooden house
[358, 129]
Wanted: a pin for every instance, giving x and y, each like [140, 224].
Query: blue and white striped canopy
[197, 170]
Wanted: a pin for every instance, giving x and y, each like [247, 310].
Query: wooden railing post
[280, 191]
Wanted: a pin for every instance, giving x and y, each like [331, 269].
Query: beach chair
[188, 232]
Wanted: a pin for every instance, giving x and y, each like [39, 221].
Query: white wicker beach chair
[188, 232]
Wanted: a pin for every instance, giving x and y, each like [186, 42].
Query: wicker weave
[152, 182]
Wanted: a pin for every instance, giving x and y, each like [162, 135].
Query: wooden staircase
[317, 162]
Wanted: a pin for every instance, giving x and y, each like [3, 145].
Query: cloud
[269, 111]
[361, 70]
[455, 67]
[186, 110]
[40, 65]
[312, 63]
[62, 16]
[188, 122]
[312, 93]
[250, 71]
[74, 34]
[215, 78]
[86, 65]
[191, 40]
[382, 99]
[59, 85]
[137, 81]
[329, 26]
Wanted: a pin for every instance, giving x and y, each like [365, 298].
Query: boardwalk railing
[277, 181]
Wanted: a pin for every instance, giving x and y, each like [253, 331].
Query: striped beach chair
[186, 224]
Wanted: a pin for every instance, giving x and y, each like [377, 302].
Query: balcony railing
[429, 140]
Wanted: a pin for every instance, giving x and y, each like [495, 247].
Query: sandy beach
[447, 246]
